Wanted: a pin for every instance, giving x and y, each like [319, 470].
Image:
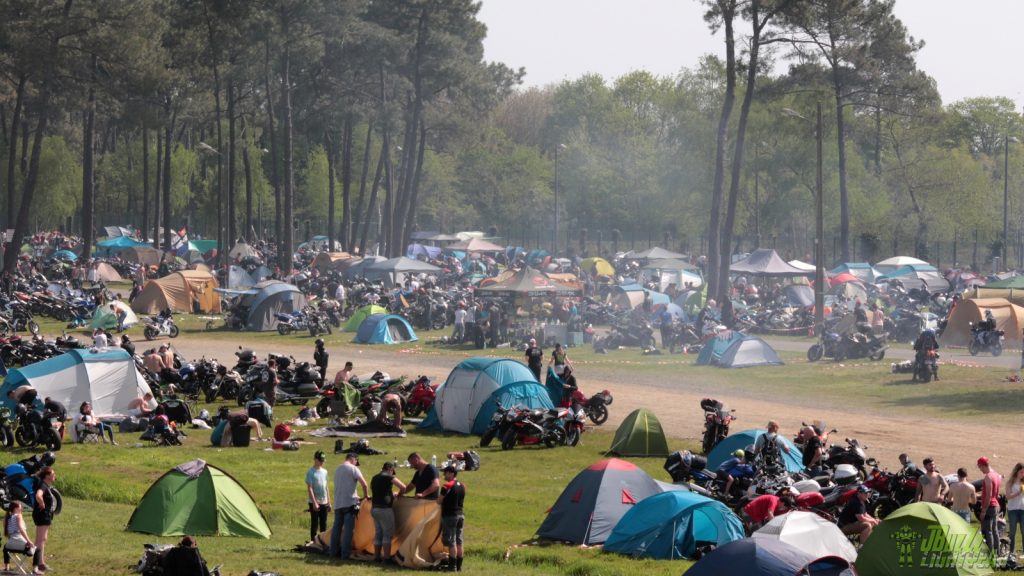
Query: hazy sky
[968, 43]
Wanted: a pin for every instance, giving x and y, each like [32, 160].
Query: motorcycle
[716, 423]
[825, 348]
[226, 384]
[420, 397]
[855, 345]
[18, 482]
[852, 454]
[35, 427]
[246, 359]
[289, 321]
[926, 366]
[985, 340]
[159, 326]
[317, 324]
[527, 427]
[595, 407]
[627, 334]
[575, 424]
[684, 467]
[895, 490]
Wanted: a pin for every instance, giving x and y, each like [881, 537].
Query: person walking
[453, 495]
[534, 358]
[319, 499]
[346, 478]
[989, 503]
[1015, 504]
[42, 516]
[382, 496]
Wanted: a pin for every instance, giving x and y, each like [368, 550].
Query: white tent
[107, 379]
[897, 262]
[810, 533]
[802, 265]
[468, 386]
[104, 317]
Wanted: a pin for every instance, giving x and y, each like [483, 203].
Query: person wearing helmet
[320, 356]
[733, 468]
[989, 323]
[927, 342]
[319, 497]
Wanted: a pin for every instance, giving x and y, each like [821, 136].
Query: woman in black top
[42, 515]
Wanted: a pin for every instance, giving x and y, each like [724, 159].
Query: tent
[115, 231]
[319, 243]
[198, 499]
[241, 251]
[673, 273]
[526, 393]
[739, 441]
[417, 250]
[669, 264]
[326, 261]
[798, 295]
[1009, 318]
[672, 525]
[1016, 282]
[890, 264]
[384, 329]
[527, 281]
[850, 290]
[118, 244]
[748, 352]
[106, 379]
[468, 387]
[239, 278]
[396, 270]
[597, 266]
[918, 276]
[266, 300]
[842, 278]
[924, 538]
[640, 434]
[802, 265]
[141, 255]
[104, 317]
[107, 273]
[714, 348]
[629, 296]
[594, 501]
[657, 253]
[765, 262]
[184, 291]
[361, 314]
[476, 245]
[357, 268]
[810, 533]
[862, 270]
[767, 557]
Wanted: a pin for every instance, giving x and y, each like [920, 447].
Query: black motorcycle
[854, 345]
[985, 340]
[639, 334]
[497, 427]
[225, 384]
[717, 419]
[36, 427]
[852, 453]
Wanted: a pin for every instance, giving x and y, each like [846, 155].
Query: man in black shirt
[55, 408]
[383, 498]
[854, 519]
[534, 358]
[812, 452]
[320, 358]
[424, 482]
[453, 493]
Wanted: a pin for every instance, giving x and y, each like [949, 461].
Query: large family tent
[862, 270]
[104, 317]
[798, 295]
[923, 276]
[897, 545]
[395, 271]
[361, 314]
[748, 352]
[198, 499]
[107, 379]
[673, 525]
[185, 291]
[384, 329]
[357, 268]
[527, 281]
[739, 441]
[640, 434]
[144, 255]
[896, 262]
[629, 296]
[595, 500]
[468, 387]
[327, 261]
[266, 300]
[714, 348]
[527, 393]
[1009, 318]
[767, 557]
[810, 533]
[658, 253]
[112, 246]
[765, 262]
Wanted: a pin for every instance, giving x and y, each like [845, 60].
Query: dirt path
[952, 443]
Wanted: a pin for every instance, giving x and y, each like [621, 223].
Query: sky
[968, 43]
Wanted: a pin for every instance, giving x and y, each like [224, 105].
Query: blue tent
[65, 255]
[714, 348]
[907, 270]
[266, 299]
[385, 329]
[629, 296]
[527, 393]
[113, 245]
[672, 525]
[467, 389]
[739, 441]
[766, 557]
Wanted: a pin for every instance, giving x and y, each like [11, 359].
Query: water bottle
[395, 463]
[433, 460]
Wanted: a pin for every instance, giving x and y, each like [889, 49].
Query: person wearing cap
[733, 468]
[931, 486]
[453, 494]
[854, 519]
[534, 358]
[319, 498]
[346, 505]
[424, 482]
[989, 502]
[382, 495]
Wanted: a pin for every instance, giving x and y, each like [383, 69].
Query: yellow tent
[597, 266]
[1015, 295]
[185, 291]
[325, 261]
[1009, 318]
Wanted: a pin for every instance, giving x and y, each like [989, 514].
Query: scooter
[159, 326]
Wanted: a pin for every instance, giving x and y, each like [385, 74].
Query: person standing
[382, 496]
[1015, 504]
[320, 358]
[453, 494]
[559, 359]
[424, 483]
[346, 478]
[931, 486]
[42, 516]
[319, 499]
[459, 326]
[989, 503]
[962, 495]
[270, 386]
[534, 358]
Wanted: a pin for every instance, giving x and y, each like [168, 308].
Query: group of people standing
[382, 491]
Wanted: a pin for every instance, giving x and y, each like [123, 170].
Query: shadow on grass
[982, 401]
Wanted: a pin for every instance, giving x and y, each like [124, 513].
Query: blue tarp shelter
[384, 329]
[671, 525]
[739, 441]
[714, 348]
[467, 389]
[67, 255]
[528, 393]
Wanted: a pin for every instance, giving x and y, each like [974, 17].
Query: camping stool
[16, 557]
[240, 435]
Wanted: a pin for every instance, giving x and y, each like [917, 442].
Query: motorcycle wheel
[22, 438]
[882, 508]
[313, 331]
[173, 332]
[52, 441]
[840, 354]
[283, 329]
[150, 333]
[572, 436]
[243, 396]
[211, 395]
[555, 437]
[328, 328]
[708, 442]
[33, 327]
[7, 436]
[877, 355]
[489, 435]
[815, 352]
[412, 410]
[598, 414]
[996, 349]
[323, 408]
[972, 347]
[926, 375]
[508, 441]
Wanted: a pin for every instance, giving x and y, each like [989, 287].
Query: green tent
[924, 539]
[198, 499]
[361, 314]
[640, 434]
[1011, 282]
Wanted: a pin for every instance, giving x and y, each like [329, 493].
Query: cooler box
[240, 435]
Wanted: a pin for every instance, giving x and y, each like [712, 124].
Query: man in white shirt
[459, 332]
[346, 504]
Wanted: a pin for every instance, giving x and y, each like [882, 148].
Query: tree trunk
[168, 134]
[129, 215]
[373, 198]
[222, 247]
[24, 147]
[362, 185]
[717, 190]
[145, 182]
[274, 180]
[384, 233]
[247, 166]
[12, 149]
[285, 243]
[346, 182]
[31, 177]
[88, 177]
[330, 189]
[232, 231]
[411, 215]
[157, 188]
[844, 199]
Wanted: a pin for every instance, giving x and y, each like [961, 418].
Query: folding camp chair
[16, 557]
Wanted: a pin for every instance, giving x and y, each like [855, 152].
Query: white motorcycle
[159, 326]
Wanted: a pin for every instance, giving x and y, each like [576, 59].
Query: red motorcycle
[420, 397]
[530, 427]
[595, 407]
[716, 423]
[895, 490]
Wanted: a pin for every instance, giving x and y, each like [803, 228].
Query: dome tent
[385, 329]
[810, 533]
[182, 291]
[640, 434]
[739, 441]
[361, 314]
[468, 387]
[104, 317]
[767, 557]
[528, 393]
[271, 297]
[673, 525]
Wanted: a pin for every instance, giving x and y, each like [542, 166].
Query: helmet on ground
[282, 432]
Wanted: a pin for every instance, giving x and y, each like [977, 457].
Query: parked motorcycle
[854, 345]
[35, 427]
[895, 490]
[717, 419]
[225, 384]
[530, 427]
[926, 366]
[852, 453]
[317, 324]
[420, 397]
[18, 482]
[639, 334]
[287, 322]
[159, 326]
[984, 340]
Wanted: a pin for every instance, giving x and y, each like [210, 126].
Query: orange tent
[1009, 318]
